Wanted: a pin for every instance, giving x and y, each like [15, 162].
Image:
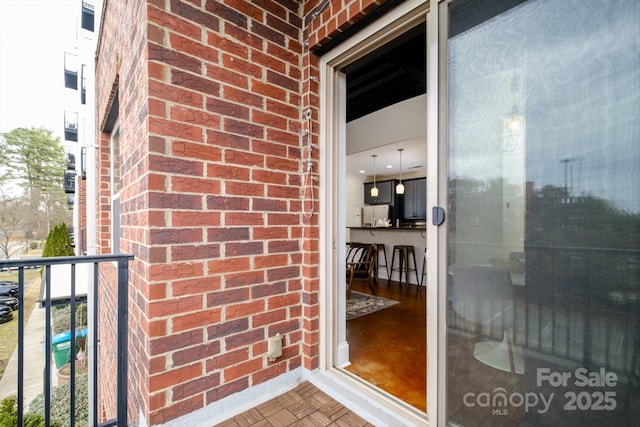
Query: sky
[34, 35]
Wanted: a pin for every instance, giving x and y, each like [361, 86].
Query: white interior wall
[398, 122]
[354, 200]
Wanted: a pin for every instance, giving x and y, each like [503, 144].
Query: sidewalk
[34, 360]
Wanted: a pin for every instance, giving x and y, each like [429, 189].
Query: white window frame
[114, 188]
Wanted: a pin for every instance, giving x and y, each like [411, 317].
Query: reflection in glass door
[543, 320]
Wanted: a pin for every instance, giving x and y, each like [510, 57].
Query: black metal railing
[576, 304]
[583, 304]
[122, 264]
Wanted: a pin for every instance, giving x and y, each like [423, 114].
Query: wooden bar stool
[404, 251]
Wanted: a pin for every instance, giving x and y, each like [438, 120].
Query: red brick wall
[211, 100]
[121, 65]
[81, 232]
[334, 17]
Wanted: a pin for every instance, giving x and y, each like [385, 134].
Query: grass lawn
[9, 330]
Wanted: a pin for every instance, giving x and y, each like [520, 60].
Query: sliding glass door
[543, 315]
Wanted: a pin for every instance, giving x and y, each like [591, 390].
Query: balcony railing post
[93, 411]
[72, 354]
[47, 343]
[21, 321]
[123, 328]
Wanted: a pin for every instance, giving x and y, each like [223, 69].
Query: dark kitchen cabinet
[415, 199]
[386, 193]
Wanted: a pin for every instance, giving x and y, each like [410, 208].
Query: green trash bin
[61, 347]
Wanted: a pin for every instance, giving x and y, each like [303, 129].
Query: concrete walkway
[34, 360]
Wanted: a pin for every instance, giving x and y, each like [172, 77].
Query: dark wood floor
[388, 348]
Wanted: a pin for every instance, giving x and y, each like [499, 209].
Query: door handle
[437, 215]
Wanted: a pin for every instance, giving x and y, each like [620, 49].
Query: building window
[71, 161]
[114, 154]
[88, 13]
[71, 126]
[70, 71]
[70, 174]
[71, 197]
[70, 181]
[83, 84]
[83, 161]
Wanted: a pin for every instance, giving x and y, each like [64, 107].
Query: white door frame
[332, 219]
[436, 196]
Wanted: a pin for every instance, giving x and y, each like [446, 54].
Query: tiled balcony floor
[305, 405]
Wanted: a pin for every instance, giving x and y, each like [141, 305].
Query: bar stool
[403, 263]
[424, 270]
[381, 262]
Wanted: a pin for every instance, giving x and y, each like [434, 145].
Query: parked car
[10, 302]
[6, 314]
[9, 283]
[9, 269]
[9, 288]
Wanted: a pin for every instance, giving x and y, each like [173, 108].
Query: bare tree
[12, 225]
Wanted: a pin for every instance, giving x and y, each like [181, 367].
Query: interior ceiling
[414, 159]
[390, 74]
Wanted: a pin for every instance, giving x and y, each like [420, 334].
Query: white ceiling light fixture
[513, 123]
[400, 186]
[374, 189]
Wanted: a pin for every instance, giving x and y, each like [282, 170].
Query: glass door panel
[543, 320]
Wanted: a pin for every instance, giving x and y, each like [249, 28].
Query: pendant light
[514, 122]
[374, 189]
[512, 141]
[400, 186]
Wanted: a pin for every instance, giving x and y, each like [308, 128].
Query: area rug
[360, 304]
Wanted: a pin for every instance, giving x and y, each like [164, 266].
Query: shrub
[33, 245]
[58, 242]
[61, 402]
[9, 415]
[8, 412]
[37, 420]
[61, 318]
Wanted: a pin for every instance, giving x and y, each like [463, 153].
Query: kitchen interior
[385, 203]
[390, 218]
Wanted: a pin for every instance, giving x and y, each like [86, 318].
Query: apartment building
[78, 102]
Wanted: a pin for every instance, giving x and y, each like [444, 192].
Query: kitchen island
[390, 236]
